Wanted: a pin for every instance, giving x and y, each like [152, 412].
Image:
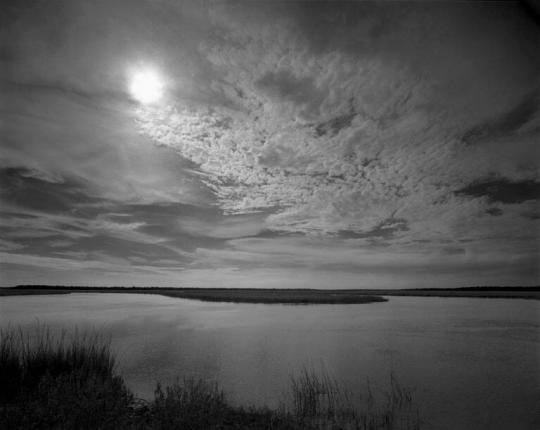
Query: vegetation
[284, 296]
[69, 381]
[237, 295]
[59, 381]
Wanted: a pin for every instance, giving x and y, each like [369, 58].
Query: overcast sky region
[296, 144]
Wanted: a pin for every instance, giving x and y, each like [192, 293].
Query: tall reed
[56, 379]
[319, 401]
[68, 380]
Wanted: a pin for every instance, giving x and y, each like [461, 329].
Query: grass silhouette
[69, 380]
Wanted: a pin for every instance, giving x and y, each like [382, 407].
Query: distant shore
[283, 296]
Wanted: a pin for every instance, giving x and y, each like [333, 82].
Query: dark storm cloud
[503, 190]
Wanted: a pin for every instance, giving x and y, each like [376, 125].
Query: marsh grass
[319, 401]
[59, 380]
[68, 380]
[198, 404]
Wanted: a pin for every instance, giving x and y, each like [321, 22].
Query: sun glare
[146, 86]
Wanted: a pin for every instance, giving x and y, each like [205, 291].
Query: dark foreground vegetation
[69, 381]
[285, 296]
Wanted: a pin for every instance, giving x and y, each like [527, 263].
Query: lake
[471, 363]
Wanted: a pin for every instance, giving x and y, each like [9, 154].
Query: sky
[295, 144]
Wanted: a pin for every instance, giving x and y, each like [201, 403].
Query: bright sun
[146, 86]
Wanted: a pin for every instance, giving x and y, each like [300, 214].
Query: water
[472, 363]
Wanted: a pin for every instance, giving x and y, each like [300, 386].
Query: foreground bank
[69, 380]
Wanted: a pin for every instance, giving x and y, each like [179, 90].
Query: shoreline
[252, 296]
[284, 296]
[51, 379]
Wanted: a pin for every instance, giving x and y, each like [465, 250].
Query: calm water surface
[473, 363]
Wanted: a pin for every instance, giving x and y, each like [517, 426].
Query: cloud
[295, 138]
[358, 143]
[8, 245]
[503, 191]
[523, 118]
[329, 141]
[99, 148]
[32, 189]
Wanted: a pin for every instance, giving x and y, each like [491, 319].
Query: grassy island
[284, 295]
[236, 295]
